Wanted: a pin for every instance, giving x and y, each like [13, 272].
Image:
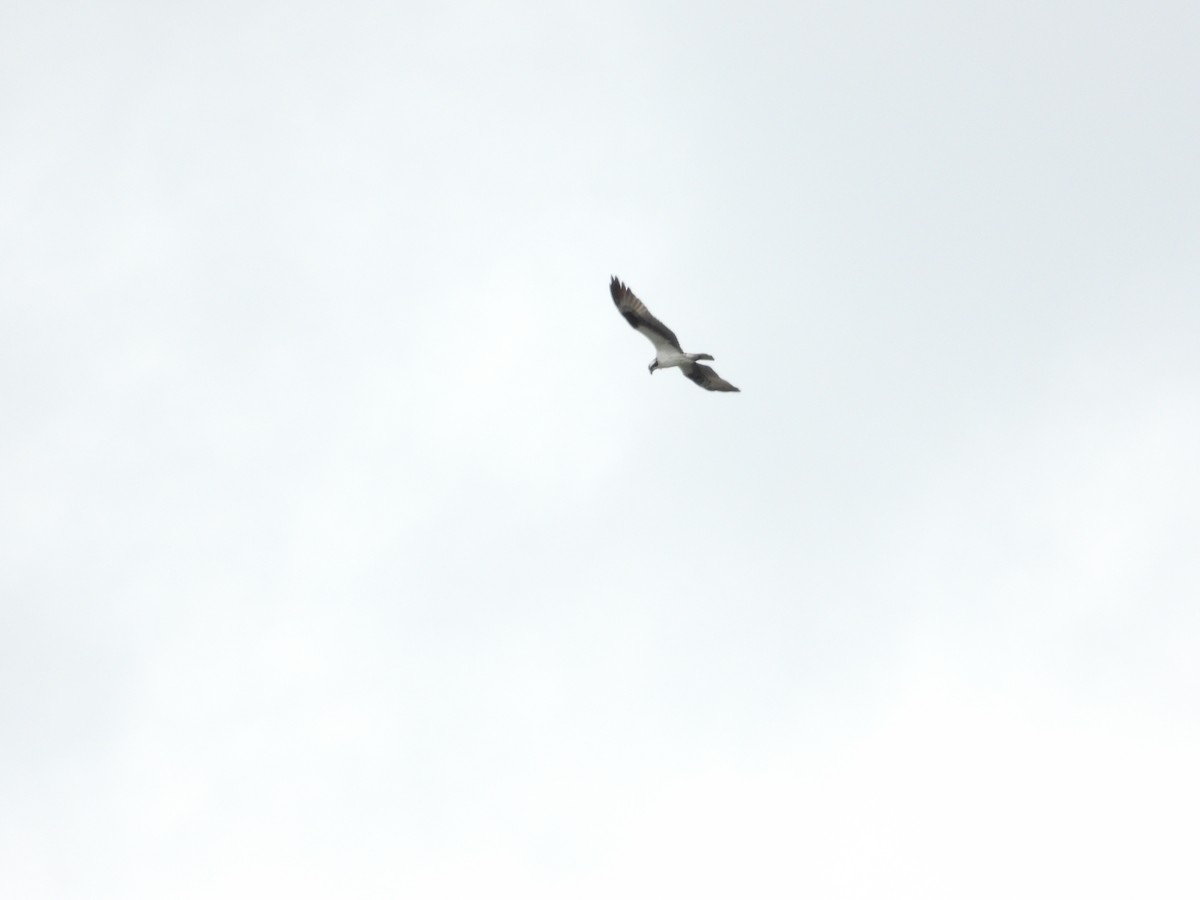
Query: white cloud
[346, 547]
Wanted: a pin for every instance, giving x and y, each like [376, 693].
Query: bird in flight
[665, 343]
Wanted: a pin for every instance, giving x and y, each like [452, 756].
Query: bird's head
[653, 366]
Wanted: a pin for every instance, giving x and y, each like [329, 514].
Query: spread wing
[707, 378]
[636, 314]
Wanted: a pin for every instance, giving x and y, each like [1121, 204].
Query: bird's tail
[694, 357]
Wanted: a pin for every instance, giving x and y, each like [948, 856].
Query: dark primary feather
[636, 314]
[707, 378]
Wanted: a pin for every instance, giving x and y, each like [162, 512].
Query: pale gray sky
[347, 549]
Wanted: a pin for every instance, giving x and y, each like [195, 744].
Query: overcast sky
[348, 550]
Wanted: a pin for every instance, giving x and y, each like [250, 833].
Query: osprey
[664, 341]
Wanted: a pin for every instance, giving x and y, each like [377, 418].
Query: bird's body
[668, 357]
[668, 353]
